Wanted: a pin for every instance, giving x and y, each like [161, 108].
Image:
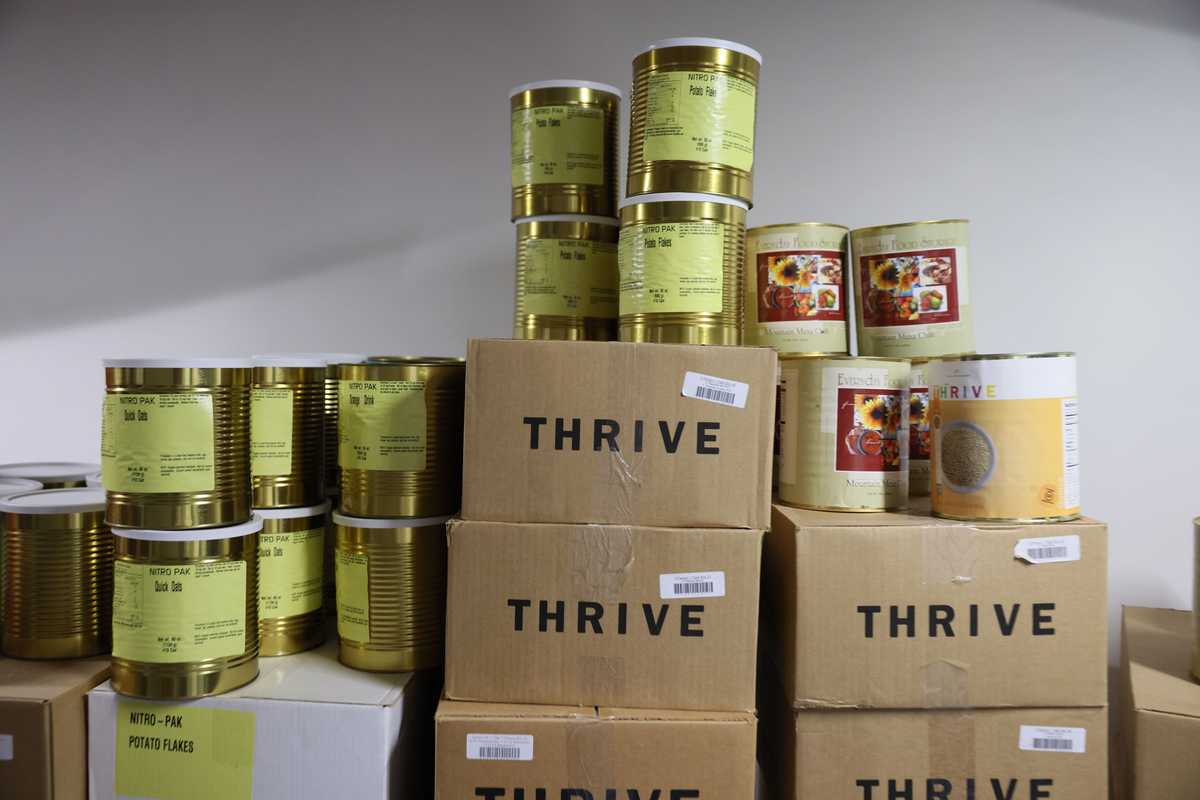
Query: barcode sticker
[1053, 740]
[680, 585]
[499, 747]
[1051, 550]
[715, 390]
[6, 750]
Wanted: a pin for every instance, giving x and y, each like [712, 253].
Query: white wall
[223, 177]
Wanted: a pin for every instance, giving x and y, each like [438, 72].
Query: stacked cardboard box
[604, 577]
[916, 658]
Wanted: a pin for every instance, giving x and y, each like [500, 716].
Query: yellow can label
[570, 278]
[352, 586]
[672, 267]
[381, 425]
[157, 443]
[700, 116]
[558, 144]
[170, 613]
[184, 752]
[290, 572]
[271, 431]
[1005, 438]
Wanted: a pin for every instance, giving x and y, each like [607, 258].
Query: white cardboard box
[320, 730]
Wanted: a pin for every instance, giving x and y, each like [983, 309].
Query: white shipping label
[499, 747]
[6, 747]
[715, 390]
[1050, 550]
[1053, 740]
[682, 585]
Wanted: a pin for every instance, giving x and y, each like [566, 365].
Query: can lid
[94, 480]
[53, 501]
[49, 471]
[566, 83]
[192, 534]
[289, 360]
[613, 221]
[177, 363]
[416, 361]
[873, 228]
[780, 225]
[704, 41]
[325, 358]
[386, 522]
[293, 513]
[682, 197]
[1002, 356]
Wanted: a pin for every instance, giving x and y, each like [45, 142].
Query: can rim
[293, 361]
[565, 83]
[1003, 356]
[11, 485]
[416, 361]
[42, 471]
[75, 500]
[177, 363]
[682, 197]
[254, 525]
[294, 513]
[844, 357]
[796, 225]
[387, 522]
[592, 218]
[325, 358]
[705, 41]
[95, 480]
[873, 228]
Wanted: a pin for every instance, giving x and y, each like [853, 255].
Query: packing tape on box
[949, 559]
[601, 560]
[951, 737]
[590, 758]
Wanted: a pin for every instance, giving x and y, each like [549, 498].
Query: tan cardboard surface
[932, 613]
[575, 614]
[42, 708]
[686, 755]
[1160, 714]
[689, 463]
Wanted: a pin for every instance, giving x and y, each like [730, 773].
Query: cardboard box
[600, 615]
[307, 727]
[614, 432]
[510, 752]
[908, 611]
[1160, 709]
[43, 730]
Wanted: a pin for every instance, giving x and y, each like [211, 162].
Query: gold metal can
[680, 258]
[185, 611]
[844, 433]
[1005, 437]
[175, 443]
[391, 592]
[564, 148]
[566, 278]
[796, 288]
[692, 118]
[911, 289]
[50, 474]
[58, 577]
[287, 431]
[400, 436]
[291, 579]
[919, 436]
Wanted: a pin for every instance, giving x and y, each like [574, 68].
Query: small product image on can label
[919, 441]
[381, 425]
[290, 572]
[868, 429]
[571, 278]
[558, 144]
[801, 286]
[912, 288]
[270, 431]
[672, 267]
[698, 115]
[352, 585]
[152, 443]
[170, 613]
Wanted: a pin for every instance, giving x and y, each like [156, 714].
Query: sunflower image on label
[868, 429]
[1005, 438]
[801, 286]
[290, 572]
[558, 144]
[270, 431]
[381, 425]
[171, 613]
[352, 582]
[672, 267]
[152, 443]
[700, 116]
[571, 278]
